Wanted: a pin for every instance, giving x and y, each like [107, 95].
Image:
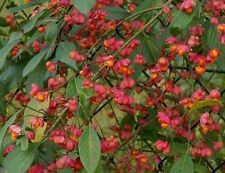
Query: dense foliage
[121, 86]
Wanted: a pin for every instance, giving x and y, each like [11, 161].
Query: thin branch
[114, 114]
[100, 108]
[152, 91]
[160, 165]
[3, 4]
[218, 167]
[121, 22]
[139, 13]
[41, 111]
[209, 165]
[139, 129]
[141, 30]
[207, 70]
[16, 91]
[55, 124]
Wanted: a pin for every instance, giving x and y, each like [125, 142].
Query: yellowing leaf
[206, 103]
[30, 112]
[39, 132]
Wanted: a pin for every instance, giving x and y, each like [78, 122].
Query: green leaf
[70, 92]
[48, 151]
[200, 168]
[71, 89]
[211, 41]
[13, 41]
[38, 77]
[33, 63]
[25, 6]
[153, 50]
[84, 107]
[128, 119]
[36, 36]
[181, 20]
[6, 142]
[51, 36]
[100, 168]
[22, 7]
[137, 68]
[74, 29]
[62, 54]
[2, 106]
[78, 86]
[10, 75]
[177, 148]
[89, 149]
[3, 41]
[32, 22]
[153, 131]
[75, 89]
[6, 126]
[3, 23]
[183, 165]
[116, 13]
[19, 161]
[65, 170]
[24, 143]
[146, 4]
[51, 32]
[211, 36]
[149, 49]
[143, 5]
[84, 6]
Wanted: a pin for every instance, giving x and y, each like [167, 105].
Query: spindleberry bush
[104, 86]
